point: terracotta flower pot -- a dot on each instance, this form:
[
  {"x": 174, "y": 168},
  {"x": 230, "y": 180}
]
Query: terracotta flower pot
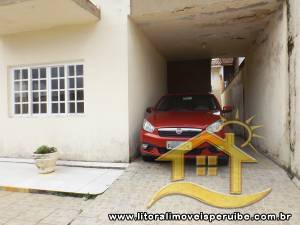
[{"x": 46, "y": 162}]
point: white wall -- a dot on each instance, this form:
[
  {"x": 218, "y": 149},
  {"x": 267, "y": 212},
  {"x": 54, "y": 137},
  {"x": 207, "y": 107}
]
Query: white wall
[
  {"x": 147, "y": 80},
  {"x": 102, "y": 133},
  {"x": 266, "y": 88}
]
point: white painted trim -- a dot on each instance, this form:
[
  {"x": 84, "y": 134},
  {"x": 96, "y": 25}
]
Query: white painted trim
[{"x": 72, "y": 163}]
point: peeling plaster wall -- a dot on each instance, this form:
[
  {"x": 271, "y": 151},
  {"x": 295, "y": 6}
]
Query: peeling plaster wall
[
  {"x": 193, "y": 29},
  {"x": 294, "y": 76},
  {"x": 147, "y": 80},
  {"x": 266, "y": 88}
]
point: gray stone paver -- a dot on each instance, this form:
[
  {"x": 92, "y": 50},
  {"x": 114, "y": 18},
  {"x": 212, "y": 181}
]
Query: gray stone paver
[
  {"x": 139, "y": 182},
  {"x": 61, "y": 216}
]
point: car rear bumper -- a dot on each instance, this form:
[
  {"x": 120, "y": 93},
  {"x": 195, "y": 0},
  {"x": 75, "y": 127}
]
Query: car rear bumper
[{"x": 156, "y": 146}]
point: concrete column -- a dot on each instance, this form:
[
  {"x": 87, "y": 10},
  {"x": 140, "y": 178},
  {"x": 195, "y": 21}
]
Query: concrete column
[{"x": 293, "y": 14}]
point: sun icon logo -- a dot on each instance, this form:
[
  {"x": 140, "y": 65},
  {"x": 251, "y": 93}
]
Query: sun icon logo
[{"x": 246, "y": 125}]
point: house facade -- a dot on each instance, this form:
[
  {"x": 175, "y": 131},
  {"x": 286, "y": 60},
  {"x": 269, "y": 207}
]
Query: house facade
[
  {"x": 71, "y": 78},
  {"x": 79, "y": 74}
]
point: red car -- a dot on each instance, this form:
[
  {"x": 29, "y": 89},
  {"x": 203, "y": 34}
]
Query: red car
[{"x": 178, "y": 117}]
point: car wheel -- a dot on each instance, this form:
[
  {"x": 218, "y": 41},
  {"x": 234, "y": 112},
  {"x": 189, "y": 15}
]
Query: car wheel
[{"x": 148, "y": 158}]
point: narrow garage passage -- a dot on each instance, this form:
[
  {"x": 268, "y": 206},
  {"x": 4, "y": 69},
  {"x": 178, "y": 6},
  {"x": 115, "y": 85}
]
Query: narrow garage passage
[{"x": 188, "y": 34}]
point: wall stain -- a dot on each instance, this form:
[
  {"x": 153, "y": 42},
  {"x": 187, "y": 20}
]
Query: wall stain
[
  {"x": 183, "y": 9},
  {"x": 191, "y": 17},
  {"x": 290, "y": 45},
  {"x": 238, "y": 38},
  {"x": 230, "y": 9},
  {"x": 292, "y": 79}
]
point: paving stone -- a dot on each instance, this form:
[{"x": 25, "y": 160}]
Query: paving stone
[
  {"x": 20, "y": 222},
  {"x": 86, "y": 221},
  {"x": 61, "y": 216},
  {"x": 135, "y": 187},
  {"x": 35, "y": 214}
]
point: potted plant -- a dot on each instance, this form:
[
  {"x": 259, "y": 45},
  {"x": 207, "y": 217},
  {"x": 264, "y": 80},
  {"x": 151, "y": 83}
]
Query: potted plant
[{"x": 45, "y": 159}]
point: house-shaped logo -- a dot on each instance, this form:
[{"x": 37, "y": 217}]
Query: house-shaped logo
[{"x": 210, "y": 197}]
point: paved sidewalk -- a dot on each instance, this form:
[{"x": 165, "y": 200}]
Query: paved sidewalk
[{"x": 132, "y": 191}]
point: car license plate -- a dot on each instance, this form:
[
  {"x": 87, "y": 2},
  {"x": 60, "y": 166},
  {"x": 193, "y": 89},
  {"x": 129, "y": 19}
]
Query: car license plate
[{"x": 173, "y": 144}]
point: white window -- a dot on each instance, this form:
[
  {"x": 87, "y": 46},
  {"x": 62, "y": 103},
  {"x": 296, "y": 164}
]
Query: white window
[
  {"x": 21, "y": 91},
  {"x": 57, "y": 89},
  {"x": 75, "y": 89},
  {"x": 39, "y": 90}
]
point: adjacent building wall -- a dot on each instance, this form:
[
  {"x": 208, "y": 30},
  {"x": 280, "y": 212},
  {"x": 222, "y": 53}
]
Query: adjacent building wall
[
  {"x": 189, "y": 76},
  {"x": 266, "y": 88},
  {"x": 233, "y": 95},
  {"x": 294, "y": 78},
  {"x": 217, "y": 81},
  {"x": 101, "y": 134},
  {"x": 147, "y": 80}
]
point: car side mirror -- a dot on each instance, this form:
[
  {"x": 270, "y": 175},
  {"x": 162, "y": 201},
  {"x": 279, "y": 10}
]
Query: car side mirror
[
  {"x": 149, "y": 109},
  {"x": 227, "y": 109}
]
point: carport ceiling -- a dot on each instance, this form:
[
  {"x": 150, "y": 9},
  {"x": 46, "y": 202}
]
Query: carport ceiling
[{"x": 190, "y": 29}]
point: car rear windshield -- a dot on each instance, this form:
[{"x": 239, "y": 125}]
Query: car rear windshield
[{"x": 187, "y": 103}]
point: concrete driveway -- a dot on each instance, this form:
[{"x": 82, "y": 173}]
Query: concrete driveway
[{"x": 139, "y": 182}]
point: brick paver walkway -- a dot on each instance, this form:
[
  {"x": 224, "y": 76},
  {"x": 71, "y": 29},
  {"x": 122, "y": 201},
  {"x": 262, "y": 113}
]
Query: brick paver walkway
[{"x": 139, "y": 182}]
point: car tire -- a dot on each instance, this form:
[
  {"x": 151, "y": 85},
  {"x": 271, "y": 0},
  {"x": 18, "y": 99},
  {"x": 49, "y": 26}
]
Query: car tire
[{"x": 148, "y": 158}]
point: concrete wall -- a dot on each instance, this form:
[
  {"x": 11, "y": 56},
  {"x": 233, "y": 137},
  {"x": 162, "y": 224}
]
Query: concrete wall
[
  {"x": 189, "y": 76},
  {"x": 217, "y": 81},
  {"x": 147, "y": 80},
  {"x": 193, "y": 29},
  {"x": 294, "y": 78},
  {"x": 234, "y": 95},
  {"x": 264, "y": 83},
  {"x": 102, "y": 133},
  {"x": 266, "y": 88}
]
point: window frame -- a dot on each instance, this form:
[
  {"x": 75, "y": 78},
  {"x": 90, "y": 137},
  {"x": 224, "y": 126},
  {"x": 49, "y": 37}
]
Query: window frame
[
  {"x": 58, "y": 89},
  {"x": 48, "y": 90},
  {"x": 75, "y": 88},
  {"x": 39, "y": 90},
  {"x": 14, "y": 103}
]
